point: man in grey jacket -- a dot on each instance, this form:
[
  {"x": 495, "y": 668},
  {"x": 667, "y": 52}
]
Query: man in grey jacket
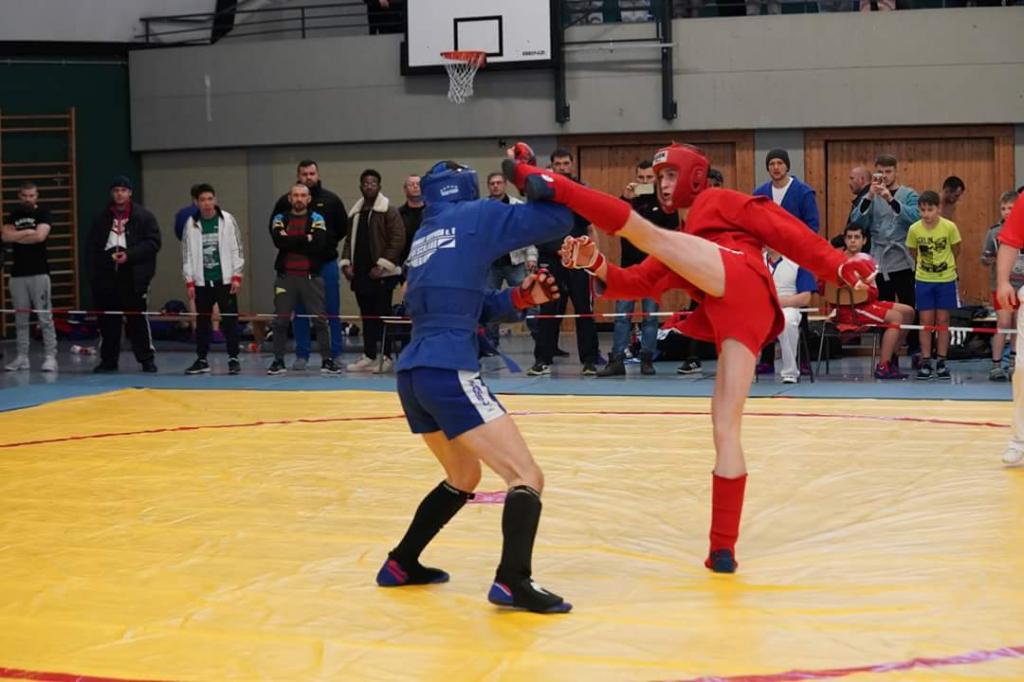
[
  {"x": 512, "y": 268},
  {"x": 886, "y": 212}
]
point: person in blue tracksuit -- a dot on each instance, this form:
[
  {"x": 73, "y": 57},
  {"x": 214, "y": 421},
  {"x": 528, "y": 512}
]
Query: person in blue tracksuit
[{"x": 439, "y": 382}]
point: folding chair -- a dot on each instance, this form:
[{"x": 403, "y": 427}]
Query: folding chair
[{"x": 839, "y": 298}]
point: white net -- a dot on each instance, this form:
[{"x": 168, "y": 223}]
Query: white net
[{"x": 461, "y": 71}]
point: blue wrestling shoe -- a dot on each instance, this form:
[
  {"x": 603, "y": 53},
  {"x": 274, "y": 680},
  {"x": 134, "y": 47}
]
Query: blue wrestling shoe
[
  {"x": 721, "y": 561},
  {"x": 393, "y": 574},
  {"x": 528, "y": 595}
]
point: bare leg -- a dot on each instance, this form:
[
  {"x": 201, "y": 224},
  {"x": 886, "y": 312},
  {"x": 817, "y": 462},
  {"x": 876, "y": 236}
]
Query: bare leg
[
  {"x": 927, "y": 319},
  {"x": 462, "y": 469},
  {"x": 942, "y": 320},
  {"x": 693, "y": 258},
  {"x": 1004, "y": 321},
  {"x": 735, "y": 373}
]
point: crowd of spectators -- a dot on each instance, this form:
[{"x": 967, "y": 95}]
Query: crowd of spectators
[{"x": 321, "y": 247}]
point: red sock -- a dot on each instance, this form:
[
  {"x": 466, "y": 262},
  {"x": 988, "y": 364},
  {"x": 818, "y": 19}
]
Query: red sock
[{"x": 726, "y": 510}]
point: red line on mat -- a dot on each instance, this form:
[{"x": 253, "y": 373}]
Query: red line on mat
[
  {"x": 522, "y": 413},
  {"x": 981, "y": 656},
  {"x": 16, "y": 674}
]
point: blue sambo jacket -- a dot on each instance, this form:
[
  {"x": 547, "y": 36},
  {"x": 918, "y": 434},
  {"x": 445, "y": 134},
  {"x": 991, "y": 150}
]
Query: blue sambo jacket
[{"x": 447, "y": 268}]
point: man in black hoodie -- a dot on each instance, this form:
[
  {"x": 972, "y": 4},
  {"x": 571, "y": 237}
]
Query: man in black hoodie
[
  {"x": 122, "y": 248},
  {"x": 332, "y": 208}
]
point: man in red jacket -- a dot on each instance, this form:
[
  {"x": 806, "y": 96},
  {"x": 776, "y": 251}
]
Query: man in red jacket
[
  {"x": 718, "y": 259},
  {"x": 1011, "y": 240}
]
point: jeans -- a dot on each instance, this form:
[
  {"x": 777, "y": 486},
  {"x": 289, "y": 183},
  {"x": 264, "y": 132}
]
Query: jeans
[
  {"x": 513, "y": 275},
  {"x": 332, "y": 306},
  {"x": 623, "y": 326}
]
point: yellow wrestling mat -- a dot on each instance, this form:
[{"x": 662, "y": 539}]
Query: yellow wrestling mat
[{"x": 230, "y": 535}]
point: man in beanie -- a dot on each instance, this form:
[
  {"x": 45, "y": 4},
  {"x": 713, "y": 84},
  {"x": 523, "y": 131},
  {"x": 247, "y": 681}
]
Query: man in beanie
[
  {"x": 788, "y": 192},
  {"x": 121, "y": 253}
]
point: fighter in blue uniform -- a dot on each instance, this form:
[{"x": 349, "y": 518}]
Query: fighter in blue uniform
[{"x": 439, "y": 382}]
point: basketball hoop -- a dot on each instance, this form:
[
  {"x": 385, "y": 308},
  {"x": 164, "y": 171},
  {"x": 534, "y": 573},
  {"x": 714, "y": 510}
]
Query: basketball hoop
[{"x": 462, "y": 66}]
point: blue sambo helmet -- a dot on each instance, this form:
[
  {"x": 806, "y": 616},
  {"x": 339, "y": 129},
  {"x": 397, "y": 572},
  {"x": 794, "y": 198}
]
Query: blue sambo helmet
[{"x": 451, "y": 182}]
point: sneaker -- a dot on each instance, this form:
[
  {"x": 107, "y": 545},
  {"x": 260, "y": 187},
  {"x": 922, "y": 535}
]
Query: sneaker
[
  {"x": 363, "y": 364},
  {"x": 888, "y": 370},
  {"x": 394, "y": 574},
  {"x": 299, "y": 365},
  {"x": 328, "y": 367},
  {"x": 526, "y": 594},
  {"x": 1013, "y": 456},
  {"x": 277, "y": 367},
  {"x": 19, "y": 363},
  {"x": 790, "y": 380},
  {"x": 149, "y": 367},
  {"x": 200, "y": 366},
  {"x": 559, "y": 353},
  {"x": 49, "y": 364},
  {"x": 383, "y": 367},
  {"x": 997, "y": 373},
  {"x": 941, "y": 372},
  {"x": 766, "y": 368},
  {"x": 691, "y": 366},
  {"x": 104, "y": 368},
  {"x": 234, "y": 366},
  {"x": 647, "y": 365},
  {"x": 614, "y": 368},
  {"x": 538, "y": 370},
  {"x": 721, "y": 561},
  {"x": 924, "y": 373},
  {"x": 589, "y": 370}
]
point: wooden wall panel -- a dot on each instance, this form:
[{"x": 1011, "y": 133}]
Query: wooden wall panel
[
  {"x": 981, "y": 155},
  {"x": 607, "y": 163}
]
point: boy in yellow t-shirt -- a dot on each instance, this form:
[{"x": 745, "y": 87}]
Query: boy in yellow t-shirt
[{"x": 935, "y": 244}]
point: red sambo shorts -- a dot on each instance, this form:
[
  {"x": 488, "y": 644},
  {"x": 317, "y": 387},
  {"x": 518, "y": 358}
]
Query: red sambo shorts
[
  {"x": 747, "y": 311},
  {"x": 865, "y": 313}
]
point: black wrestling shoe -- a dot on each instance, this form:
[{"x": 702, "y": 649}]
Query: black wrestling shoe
[
  {"x": 721, "y": 561},
  {"x": 394, "y": 574},
  {"x": 526, "y": 594}
]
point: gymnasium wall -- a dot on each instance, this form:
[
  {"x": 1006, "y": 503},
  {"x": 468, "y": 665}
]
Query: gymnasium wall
[{"x": 820, "y": 70}]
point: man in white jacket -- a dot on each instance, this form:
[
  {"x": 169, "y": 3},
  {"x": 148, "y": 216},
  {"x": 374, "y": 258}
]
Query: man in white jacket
[{"x": 212, "y": 262}]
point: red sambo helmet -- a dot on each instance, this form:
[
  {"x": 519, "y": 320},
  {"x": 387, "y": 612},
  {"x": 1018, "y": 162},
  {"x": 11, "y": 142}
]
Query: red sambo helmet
[{"x": 692, "y": 167}]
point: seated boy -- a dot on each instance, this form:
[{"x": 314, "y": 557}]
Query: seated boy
[{"x": 874, "y": 311}]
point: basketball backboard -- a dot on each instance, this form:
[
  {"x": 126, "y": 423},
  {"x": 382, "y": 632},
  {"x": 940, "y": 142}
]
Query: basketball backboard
[{"x": 513, "y": 33}]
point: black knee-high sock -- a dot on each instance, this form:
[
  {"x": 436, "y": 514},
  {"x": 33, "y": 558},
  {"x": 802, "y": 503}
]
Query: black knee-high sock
[
  {"x": 519, "y": 522},
  {"x": 436, "y": 509}
]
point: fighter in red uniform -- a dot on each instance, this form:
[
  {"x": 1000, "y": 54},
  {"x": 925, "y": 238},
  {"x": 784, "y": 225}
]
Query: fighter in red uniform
[{"x": 717, "y": 258}]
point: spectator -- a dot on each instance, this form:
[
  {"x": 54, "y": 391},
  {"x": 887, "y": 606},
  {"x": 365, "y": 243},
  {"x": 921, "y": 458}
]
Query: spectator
[
  {"x": 795, "y": 286},
  {"x": 212, "y": 262},
  {"x": 640, "y": 193},
  {"x": 886, "y": 212},
  {"x": 1010, "y": 244},
  {"x": 953, "y": 189},
  {"x": 186, "y": 212},
  {"x": 715, "y": 178},
  {"x": 369, "y": 261},
  {"x": 873, "y": 311},
  {"x": 122, "y": 248},
  {"x": 26, "y": 231},
  {"x": 935, "y": 244},
  {"x": 512, "y": 268},
  {"x": 877, "y": 5},
  {"x": 1005, "y": 316},
  {"x": 796, "y": 197},
  {"x": 300, "y": 236},
  {"x": 385, "y": 16},
  {"x": 858, "y": 181},
  {"x": 412, "y": 215},
  {"x": 754, "y": 7},
  {"x": 574, "y": 285},
  {"x": 332, "y": 209}
]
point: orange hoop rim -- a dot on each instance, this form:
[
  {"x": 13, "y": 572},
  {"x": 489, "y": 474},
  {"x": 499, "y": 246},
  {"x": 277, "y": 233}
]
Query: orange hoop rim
[{"x": 475, "y": 57}]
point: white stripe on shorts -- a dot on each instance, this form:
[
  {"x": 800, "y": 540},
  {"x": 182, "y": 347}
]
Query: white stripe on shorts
[{"x": 479, "y": 396}]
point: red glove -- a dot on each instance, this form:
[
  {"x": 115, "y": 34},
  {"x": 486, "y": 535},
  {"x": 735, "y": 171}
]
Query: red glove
[
  {"x": 580, "y": 253},
  {"x": 536, "y": 289},
  {"x": 522, "y": 153},
  {"x": 859, "y": 269}
]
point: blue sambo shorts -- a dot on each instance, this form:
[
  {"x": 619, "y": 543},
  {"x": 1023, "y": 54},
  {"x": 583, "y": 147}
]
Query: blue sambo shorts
[{"x": 449, "y": 400}]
